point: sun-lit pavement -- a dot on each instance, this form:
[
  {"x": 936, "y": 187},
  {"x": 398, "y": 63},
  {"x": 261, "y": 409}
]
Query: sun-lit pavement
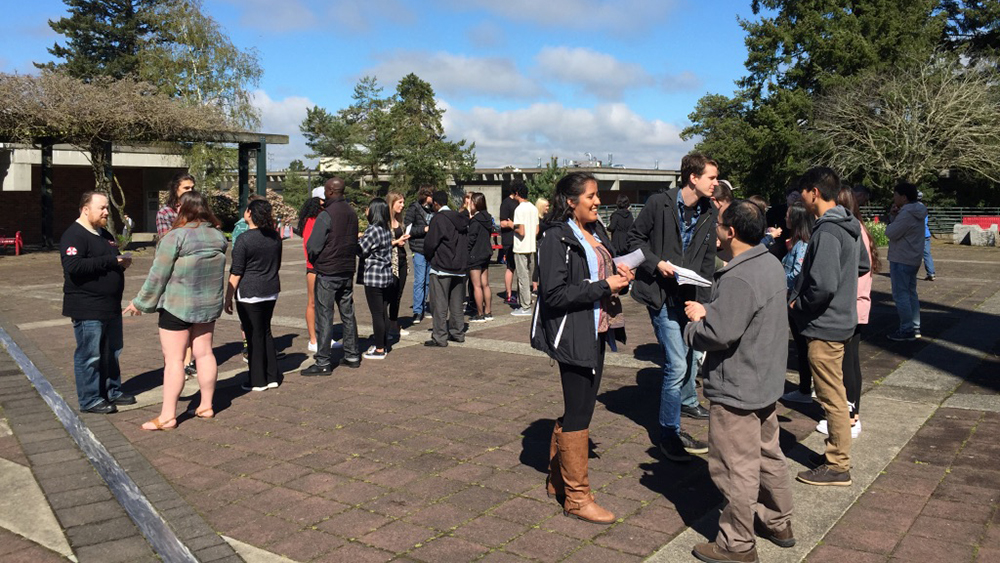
[{"x": 439, "y": 454}]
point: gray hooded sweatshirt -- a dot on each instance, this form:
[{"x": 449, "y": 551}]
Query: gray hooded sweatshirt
[{"x": 826, "y": 293}]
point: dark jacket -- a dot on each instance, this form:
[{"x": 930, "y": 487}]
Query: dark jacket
[
  {"x": 480, "y": 245},
  {"x": 826, "y": 292},
  {"x": 447, "y": 243},
  {"x": 621, "y": 222},
  {"x": 333, "y": 245},
  {"x": 563, "y": 322},
  {"x": 416, "y": 215},
  {"x": 745, "y": 332},
  {"x": 657, "y": 232},
  {"x": 93, "y": 282}
]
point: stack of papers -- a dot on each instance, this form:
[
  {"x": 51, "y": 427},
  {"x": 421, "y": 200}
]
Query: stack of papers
[{"x": 685, "y": 276}]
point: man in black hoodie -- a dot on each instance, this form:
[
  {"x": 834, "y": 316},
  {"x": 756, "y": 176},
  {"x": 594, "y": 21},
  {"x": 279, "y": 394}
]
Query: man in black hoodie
[
  {"x": 417, "y": 222},
  {"x": 824, "y": 309},
  {"x": 446, "y": 247}
]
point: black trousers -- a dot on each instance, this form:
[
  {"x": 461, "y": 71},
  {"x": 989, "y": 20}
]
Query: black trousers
[
  {"x": 378, "y": 304},
  {"x": 579, "y": 387},
  {"x": 852, "y": 370},
  {"x": 394, "y": 294},
  {"x": 802, "y": 359},
  {"x": 256, "y": 321}
]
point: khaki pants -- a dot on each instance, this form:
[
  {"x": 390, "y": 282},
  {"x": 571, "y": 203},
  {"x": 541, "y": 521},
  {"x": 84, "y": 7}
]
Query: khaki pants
[
  {"x": 826, "y": 360},
  {"x": 750, "y": 471},
  {"x": 524, "y": 265}
]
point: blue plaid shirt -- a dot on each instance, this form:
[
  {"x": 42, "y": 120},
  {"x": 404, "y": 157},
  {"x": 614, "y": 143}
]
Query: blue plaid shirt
[{"x": 687, "y": 229}]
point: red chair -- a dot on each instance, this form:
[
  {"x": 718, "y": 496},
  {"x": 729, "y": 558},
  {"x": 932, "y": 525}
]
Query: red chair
[{"x": 14, "y": 241}]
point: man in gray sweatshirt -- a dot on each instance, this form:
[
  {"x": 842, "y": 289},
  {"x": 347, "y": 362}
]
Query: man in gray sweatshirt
[
  {"x": 744, "y": 330},
  {"x": 824, "y": 309},
  {"x": 906, "y": 250}
]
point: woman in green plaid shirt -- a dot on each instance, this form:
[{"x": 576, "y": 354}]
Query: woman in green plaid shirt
[{"x": 185, "y": 285}]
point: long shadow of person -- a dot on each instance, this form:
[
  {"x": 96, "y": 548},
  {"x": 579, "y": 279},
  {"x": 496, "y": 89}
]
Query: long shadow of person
[{"x": 535, "y": 440}]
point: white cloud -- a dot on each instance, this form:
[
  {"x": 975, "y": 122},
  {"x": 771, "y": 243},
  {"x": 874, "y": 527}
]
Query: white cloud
[
  {"x": 283, "y": 117},
  {"x": 345, "y": 16},
  {"x": 620, "y": 16},
  {"x": 458, "y": 76},
  {"x": 266, "y": 15},
  {"x": 684, "y": 81},
  {"x": 599, "y": 74},
  {"x": 486, "y": 35},
  {"x": 522, "y": 136}
]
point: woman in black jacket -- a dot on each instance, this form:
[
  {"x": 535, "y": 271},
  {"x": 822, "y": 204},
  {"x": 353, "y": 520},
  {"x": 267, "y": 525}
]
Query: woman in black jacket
[
  {"x": 480, "y": 250},
  {"x": 621, "y": 222},
  {"x": 576, "y": 315}
]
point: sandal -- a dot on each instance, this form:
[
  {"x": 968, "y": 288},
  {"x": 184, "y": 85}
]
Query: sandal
[
  {"x": 201, "y": 413},
  {"x": 157, "y": 425}
]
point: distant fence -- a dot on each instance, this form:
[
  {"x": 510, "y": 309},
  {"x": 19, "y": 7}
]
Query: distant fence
[{"x": 942, "y": 219}]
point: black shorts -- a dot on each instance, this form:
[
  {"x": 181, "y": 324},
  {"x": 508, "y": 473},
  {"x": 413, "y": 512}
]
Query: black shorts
[
  {"x": 170, "y": 322},
  {"x": 508, "y": 257},
  {"x": 310, "y": 271}
]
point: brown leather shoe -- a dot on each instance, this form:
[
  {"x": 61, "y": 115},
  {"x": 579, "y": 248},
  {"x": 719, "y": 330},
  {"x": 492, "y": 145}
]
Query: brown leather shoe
[
  {"x": 574, "y": 448},
  {"x": 553, "y": 483},
  {"x": 711, "y": 553},
  {"x": 783, "y": 538}
]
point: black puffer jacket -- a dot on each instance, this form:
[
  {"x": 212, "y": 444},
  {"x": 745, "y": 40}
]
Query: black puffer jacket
[
  {"x": 621, "y": 222},
  {"x": 480, "y": 246},
  {"x": 563, "y": 322},
  {"x": 446, "y": 245}
]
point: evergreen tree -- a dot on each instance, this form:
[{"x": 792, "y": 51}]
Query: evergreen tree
[{"x": 544, "y": 184}]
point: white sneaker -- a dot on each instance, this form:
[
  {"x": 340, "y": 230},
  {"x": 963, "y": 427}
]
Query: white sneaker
[
  {"x": 404, "y": 332},
  {"x": 855, "y": 428},
  {"x": 313, "y": 347},
  {"x": 796, "y": 396},
  {"x": 272, "y": 385},
  {"x": 247, "y": 387}
]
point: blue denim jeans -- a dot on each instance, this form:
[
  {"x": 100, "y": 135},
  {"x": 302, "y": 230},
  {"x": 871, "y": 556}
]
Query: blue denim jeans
[
  {"x": 928, "y": 259},
  {"x": 421, "y": 272},
  {"x": 679, "y": 367},
  {"x": 904, "y": 293},
  {"x": 95, "y": 362}
]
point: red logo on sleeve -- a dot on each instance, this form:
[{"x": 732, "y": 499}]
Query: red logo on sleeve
[{"x": 71, "y": 251}]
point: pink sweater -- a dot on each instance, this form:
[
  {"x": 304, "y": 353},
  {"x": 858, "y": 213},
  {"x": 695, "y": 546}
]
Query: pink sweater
[{"x": 865, "y": 284}]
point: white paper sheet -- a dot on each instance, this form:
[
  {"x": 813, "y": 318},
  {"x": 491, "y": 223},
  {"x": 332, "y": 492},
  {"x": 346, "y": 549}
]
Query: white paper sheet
[
  {"x": 408, "y": 227},
  {"x": 632, "y": 260},
  {"x": 685, "y": 276}
]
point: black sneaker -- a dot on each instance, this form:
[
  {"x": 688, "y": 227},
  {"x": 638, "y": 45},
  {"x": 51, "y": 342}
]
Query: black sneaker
[
  {"x": 697, "y": 412},
  {"x": 478, "y": 319},
  {"x": 825, "y": 476},
  {"x": 417, "y": 319},
  {"x": 900, "y": 336},
  {"x": 692, "y": 446},
  {"x": 124, "y": 399},
  {"x": 930, "y": 277},
  {"x": 317, "y": 369},
  {"x": 350, "y": 363},
  {"x": 488, "y": 317},
  {"x": 102, "y": 407},
  {"x": 673, "y": 449},
  {"x": 433, "y": 343},
  {"x": 190, "y": 370}
]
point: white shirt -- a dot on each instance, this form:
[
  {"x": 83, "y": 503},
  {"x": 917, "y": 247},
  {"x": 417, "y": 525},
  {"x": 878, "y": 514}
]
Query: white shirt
[{"x": 526, "y": 214}]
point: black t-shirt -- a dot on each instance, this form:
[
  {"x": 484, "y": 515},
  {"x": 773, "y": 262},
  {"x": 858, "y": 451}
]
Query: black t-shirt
[
  {"x": 507, "y": 207},
  {"x": 257, "y": 259},
  {"x": 93, "y": 281}
]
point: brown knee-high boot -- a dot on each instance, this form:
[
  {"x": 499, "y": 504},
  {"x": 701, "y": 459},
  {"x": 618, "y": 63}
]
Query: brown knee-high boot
[
  {"x": 574, "y": 449},
  {"x": 554, "y": 482}
]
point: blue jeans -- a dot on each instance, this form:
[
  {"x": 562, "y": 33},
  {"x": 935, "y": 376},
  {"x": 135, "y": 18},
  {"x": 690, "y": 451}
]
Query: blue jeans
[
  {"x": 95, "y": 362},
  {"x": 928, "y": 260},
  {"x": 421, "y": 271},
  {"x": 679, "y": 367},
  {"x": 904, "y": 293}
]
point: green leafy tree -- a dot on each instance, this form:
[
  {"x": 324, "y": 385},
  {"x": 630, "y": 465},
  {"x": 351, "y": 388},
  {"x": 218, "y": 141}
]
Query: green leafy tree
[
  {"x": 295, "y": 189},
  {"x": 543, "y": 184},
  {"x": 103, "y": 38}
]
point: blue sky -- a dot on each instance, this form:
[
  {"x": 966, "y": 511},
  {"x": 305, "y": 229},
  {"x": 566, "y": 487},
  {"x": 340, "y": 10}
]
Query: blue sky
[{"x": 524, "y": 79}]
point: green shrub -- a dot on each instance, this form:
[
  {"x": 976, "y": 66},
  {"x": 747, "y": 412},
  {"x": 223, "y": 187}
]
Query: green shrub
[{"x": 877, "y": 232}]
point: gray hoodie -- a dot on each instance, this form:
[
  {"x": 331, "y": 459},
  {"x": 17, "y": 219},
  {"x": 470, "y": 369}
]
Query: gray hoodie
[
  {"x": 906, "y": 235},
  {"x": 826, "y": 293},
  {"x": 745, "y": 332}
]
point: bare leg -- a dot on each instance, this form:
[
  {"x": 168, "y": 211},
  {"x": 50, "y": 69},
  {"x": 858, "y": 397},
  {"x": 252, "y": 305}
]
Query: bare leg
[
  {"x": 174, "y": 344},
  {"x": 508, "y": 281},
  {"x": 208, "y": 369},
  {"x": 477, "y": 290},
  {"x": 311, "y": 306}
]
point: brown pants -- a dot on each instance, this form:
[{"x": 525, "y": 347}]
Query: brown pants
[
  {"x": 749, "y": 469},
  {"x": 826, "y": 360}
]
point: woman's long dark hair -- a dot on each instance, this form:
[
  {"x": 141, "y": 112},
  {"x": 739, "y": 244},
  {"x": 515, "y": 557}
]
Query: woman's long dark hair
[
  {"x": 310, "y": 209},
  {"x": 800, "y": 222},
  {"x": 172, "y": 198},
  {"x": 845, "y": 197},
  {"x": 569, "y": 187},
  {"x": 261, "y": 213},
  {"x": 195, "y": 209},
  {"x": 378, "y": 213}
]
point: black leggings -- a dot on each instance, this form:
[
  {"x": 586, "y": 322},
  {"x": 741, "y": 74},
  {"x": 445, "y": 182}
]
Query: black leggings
[
  {"x": 580, "y": 386},
  {"x": 393, "y": 295},
  {"x": 852, "y": 370},
  {"x": 378, "y": 302},
  {"x": 262, "y": 356},
  {"x": 802, "y": 360}
]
